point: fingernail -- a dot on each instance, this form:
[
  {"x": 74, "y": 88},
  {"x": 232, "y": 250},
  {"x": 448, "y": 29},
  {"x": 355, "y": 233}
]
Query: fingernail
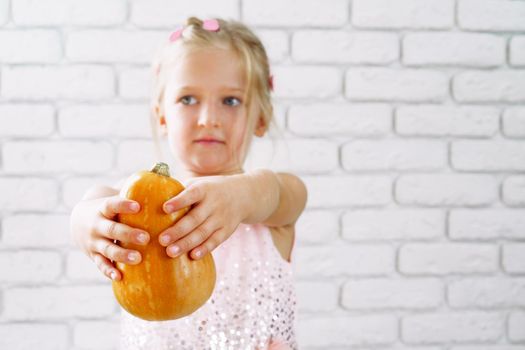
[
  {"x": 174, "y": 250},
  {"x": 133, "y": 257},
  {"x": 165, "y": 239},
  {"x": 198, "y": 254},
  {"x": 113, "y": 275},
  {"x": 142, "y": 238},
  {"x": 168, "y": 208},
  {"x": 134, "y": 206}
]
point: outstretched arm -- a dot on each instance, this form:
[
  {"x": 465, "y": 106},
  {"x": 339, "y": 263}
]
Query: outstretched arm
[{"x": 221, "y": 203}]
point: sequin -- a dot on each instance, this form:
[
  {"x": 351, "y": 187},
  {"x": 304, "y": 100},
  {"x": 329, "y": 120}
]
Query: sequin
[{"x": 253, "y": 303}]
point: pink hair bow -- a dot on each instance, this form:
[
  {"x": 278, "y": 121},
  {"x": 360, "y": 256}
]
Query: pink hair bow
[{"x": 211, "y": 25}]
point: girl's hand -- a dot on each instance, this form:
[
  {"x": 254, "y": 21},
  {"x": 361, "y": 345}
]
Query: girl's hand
[
  {"x": 218, "y": 206},
  {"x": 94, "y": 231}
]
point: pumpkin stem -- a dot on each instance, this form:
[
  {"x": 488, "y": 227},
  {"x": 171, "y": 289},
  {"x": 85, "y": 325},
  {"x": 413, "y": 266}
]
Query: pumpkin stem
[{"x": 161, "y": 169}]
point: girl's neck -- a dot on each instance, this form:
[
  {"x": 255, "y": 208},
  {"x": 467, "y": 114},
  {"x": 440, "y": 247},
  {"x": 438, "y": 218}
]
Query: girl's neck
[{"x": 189, "y": 174}]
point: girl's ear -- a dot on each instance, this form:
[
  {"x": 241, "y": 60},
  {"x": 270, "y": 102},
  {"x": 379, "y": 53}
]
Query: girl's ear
[{"x": 261, "y": 127}]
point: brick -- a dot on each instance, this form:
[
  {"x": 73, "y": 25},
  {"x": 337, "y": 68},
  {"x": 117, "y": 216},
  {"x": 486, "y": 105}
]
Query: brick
[
  {"x": 446, "y": 189},
  {"x": 305, "y": 156},
  {"x": 276, "y": 44},
  {"x": 487, "y": 224},
  {"x": 80, "y": 268},
  {"x": 456, "y": 49},
  {"x": 492, "y": 86},
  {"x": 483, "y": 155},
  {"x": 74, "y": 188},
  {"x": 101, "y": 121},
  {"x": 65, "y": 12},
  {"x": 351, "y": 191},
  {"x": 347, "y": 330},
  {"x": 426, "y": 14},
  {"x": 388, "y": 225},
  {"x": 447, "y": 258},
  {"x": 30, "y": 46},
  {"x": 135, "y": 83},
  {"x": 487, "y": 293},
  {"x": 107, "y": 333},
  {"x": 340, "y": 119},
  {"x": 489, "y": 347},
  {"x": 517, "y": 51},
  {"x": 94, "y": 46},
  {"x": 169, "y": 14},
  {"x": 331, "y": 46},
  {"x": 404, "y": 347},
  {"x": 306, "y": 81},
  {"x": 29, "y": 266},
  {"x": 512, "y": 259},
  {"x": 362, "y": 155},
  {"x": 57, "y": 156},
  {"x": 27, "y": 120},
  {"x": 295, "y": 13},
  {"x": 36, "y": 231},
  {"x": 43, "y": 336},
  {"x": 514, "y": 122},
  {"x": 452, "y": 327},
  {"x": 344, "y": 260},
  {"x": 430, "y": 120},
  {"x": 4, "y": 11},
  {"x": 375, "y": 294},
  {"x": 57, "y": 82},
  {"x": 317, "y": 296},
  {"x": 387, "y": 84},
  {"x": 317, "y": 226},
  {"x": 516, "y": 322},
  {"x": 491, "y": 15},
  {"x": 513, "y": 190},
  {"x": 55, "y": 303},
  {"x": 28, "y": 193},
  {"x": 131, "y": 156}
]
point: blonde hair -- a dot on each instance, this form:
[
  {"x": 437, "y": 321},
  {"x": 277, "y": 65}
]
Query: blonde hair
[{"x": 232, "y": 35}]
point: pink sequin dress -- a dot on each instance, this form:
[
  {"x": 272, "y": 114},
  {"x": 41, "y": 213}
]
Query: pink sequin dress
[{"x": 252, "y": 306}]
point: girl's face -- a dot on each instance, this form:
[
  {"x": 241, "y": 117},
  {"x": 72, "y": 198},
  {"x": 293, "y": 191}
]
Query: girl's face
[{"x": 206, "y": 116}]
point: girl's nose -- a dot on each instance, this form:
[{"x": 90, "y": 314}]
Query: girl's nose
[{"x": 208, "y": 115}]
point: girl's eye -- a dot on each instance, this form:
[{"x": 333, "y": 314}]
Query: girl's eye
[
  {"x": 232, "y": 101},
  {"x": 188, "y": 100}
]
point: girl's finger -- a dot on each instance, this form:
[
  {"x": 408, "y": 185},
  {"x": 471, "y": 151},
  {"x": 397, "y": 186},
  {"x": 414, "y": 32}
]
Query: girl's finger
[
  {"x": 115, "y": 205},
  {"x": 193, "y": 239},
  {"x": 121, "y": 232},
  {"x": 189, "y": 222},
  {"x": 209, "y": 245},
  {"x": 190, "y": 195},
  {"x": 106, "y": 267},
  {"x": 112, "y": 251}
]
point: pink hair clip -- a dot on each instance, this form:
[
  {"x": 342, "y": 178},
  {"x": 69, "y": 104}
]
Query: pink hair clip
[
  {"x": 176, "y": 34},
  {"x": 211, "y": 25}
]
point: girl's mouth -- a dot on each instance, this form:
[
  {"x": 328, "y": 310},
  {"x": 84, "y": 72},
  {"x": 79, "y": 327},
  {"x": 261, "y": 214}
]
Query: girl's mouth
[{"x": 208, "y": 142}]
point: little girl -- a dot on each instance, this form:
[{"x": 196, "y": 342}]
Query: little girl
[{"x": 212, "y": 91}]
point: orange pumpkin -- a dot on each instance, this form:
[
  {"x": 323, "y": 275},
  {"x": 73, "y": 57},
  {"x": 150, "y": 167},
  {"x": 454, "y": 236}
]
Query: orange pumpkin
[{"x": 159, "y": 287}]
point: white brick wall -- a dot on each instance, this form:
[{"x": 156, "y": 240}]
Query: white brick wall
[{"x": 406, "y": 120}]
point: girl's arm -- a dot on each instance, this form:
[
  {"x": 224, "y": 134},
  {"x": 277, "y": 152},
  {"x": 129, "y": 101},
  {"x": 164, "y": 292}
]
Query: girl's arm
[
  {"x": 277, "y": 199},
  {"x": 220, "y": 203}
]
